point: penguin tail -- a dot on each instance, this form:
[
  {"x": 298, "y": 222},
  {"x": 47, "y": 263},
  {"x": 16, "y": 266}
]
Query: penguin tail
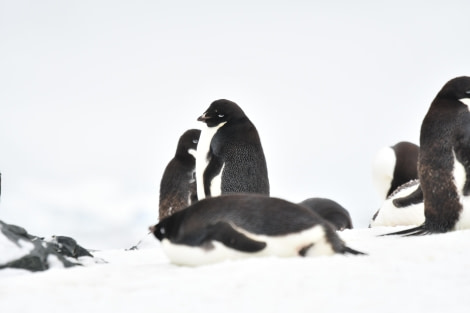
[
  {"x": 347, "y": 250},
  {"x": 415, "y": 231}
]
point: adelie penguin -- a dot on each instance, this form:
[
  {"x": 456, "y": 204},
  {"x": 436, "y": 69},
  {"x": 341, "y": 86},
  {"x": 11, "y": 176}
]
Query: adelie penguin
[
  {"x": 394, "y": 166},
  {"x": 444, "y": 161},
  {"x": 401, "y": 208},
  {"x": 230, "y": 158},
  {"x": 245, "y": 225},
  {"x": 330, "y": 211},
  {"x": 178, "y": 183},
  {"x": 395, "y": 174}
]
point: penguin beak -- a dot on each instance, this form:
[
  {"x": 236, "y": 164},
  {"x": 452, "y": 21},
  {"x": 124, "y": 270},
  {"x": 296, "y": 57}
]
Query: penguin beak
[{"x": 202, "y": 118}]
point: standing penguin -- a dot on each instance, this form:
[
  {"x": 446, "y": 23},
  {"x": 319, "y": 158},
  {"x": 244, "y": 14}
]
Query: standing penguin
[
  {"x": 444, "y": 160},
  {"x": 394, "y": 166},
  {"x": 178, "y": 185},
  {"x": 244, "y": 225},
  {"x": 230, "y": 158}
]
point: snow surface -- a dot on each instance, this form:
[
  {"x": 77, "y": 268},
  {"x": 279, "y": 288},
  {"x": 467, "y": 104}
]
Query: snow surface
[{"x": 412, "y": 274}]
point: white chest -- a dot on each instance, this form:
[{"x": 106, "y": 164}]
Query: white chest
[{"x": 202, "y": 156}]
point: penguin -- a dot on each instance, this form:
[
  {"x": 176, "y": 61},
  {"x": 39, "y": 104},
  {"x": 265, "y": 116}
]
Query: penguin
[
  {"x": 230, "y": 157},
  {"x": 394, "y": 166},
  {"x": 245, "y": 225},
  {"x": 444, "y": 161},
  {"x": 330, "y": 211},
  {"x": 407, "y": 213},
  {"x": 178, "y": 184}
]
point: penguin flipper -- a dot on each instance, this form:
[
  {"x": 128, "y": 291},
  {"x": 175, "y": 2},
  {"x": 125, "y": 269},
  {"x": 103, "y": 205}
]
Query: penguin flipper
[
  {"x": 230, "y": 237},
  {"x": 413, "y": 198},
  {"x": 212, "y": 170}
]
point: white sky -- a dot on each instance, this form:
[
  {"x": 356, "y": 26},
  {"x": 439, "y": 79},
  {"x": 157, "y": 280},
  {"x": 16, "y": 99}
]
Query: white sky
[{"x": 95, "y": 94}]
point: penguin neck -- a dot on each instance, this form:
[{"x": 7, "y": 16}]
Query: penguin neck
[
  {"x": 465, "y": 101},
  {"x": 185, "y": 155}
]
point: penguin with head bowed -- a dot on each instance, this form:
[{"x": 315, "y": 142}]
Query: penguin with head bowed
[
  {"x": 178, "y": 184},
  {"x": 394, "y": 166},
  {"x": 245, "y": 225},
  {"x": 444, "y": 160},
  {"x": 330, "y": 211},
  {"x": 395, "y": 175},
  {"x": 401, "y": 208},
  {"x": 230, "y": 158}
]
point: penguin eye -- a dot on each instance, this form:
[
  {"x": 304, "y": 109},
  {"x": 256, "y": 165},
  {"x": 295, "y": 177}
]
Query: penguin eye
[
  {"x": 467, "y": 92},
  {"x": 162, "y": 231},
  {"x": 195, "y": 140},
  {"x": 220, "y": 115}
]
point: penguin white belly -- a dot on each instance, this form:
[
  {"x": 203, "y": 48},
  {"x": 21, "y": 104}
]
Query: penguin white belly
[
  {"x": 216, "y": 183},
  {"x": 382, "y": 170},
  {"x": 203, "y": 148},
  {"x": 282, "y": 246},
  {"x": 390, "y": 215},
  {"x": 459, "y": 180}
]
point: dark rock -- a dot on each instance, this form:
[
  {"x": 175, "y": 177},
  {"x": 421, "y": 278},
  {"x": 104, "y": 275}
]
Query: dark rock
[
  {"x": 69, "y": 247},
  {"x": 65, "y": 249}
]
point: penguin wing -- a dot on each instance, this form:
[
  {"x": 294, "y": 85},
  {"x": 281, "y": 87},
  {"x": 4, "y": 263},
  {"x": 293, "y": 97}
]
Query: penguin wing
[
  {"x": 232, "y": 238},
  {"x": 413, "y": 198},
  {"x": 212, "y": 170}
]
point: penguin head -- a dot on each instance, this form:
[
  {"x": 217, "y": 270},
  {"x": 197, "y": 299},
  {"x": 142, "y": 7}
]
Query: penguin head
[
  {"x": 160, "y": 230},
  {"x": 221, "y": 111},
  {"x": 457, "y": 89},
  {"x": 188, "y": 141}
]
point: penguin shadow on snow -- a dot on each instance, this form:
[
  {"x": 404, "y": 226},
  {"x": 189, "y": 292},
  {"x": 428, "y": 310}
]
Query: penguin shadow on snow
[{"x": 444, "y": 162}]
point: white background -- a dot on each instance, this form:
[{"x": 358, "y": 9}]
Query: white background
[{"x": 95, "y": 94}]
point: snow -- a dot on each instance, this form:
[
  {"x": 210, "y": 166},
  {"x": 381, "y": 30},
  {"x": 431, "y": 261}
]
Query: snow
[{"x": 422, "y": 274}]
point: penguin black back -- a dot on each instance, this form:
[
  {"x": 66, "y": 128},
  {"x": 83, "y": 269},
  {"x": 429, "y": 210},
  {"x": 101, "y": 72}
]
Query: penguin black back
[
  {"x": 178, "y": 185},
  {"x": 445, "y": 140},
  {"x": 406, "y": 167},
  {"x": 235, "y": 153},
  {"x": 255, "y": 213}
]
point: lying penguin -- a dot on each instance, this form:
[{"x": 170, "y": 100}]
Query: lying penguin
[
  {"x": 404, "y": 207},
  {"x": 330, "y": 211},
  {"x": 243, "y": 225}
]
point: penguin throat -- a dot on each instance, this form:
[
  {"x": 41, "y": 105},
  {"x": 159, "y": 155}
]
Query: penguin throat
[{"x": 465, "y": 101}]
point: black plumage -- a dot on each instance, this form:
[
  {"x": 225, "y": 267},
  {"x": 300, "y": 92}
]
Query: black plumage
[
  {"x": 235, "y": 153},
  {"x": 230, "y": 218},
  {"x": 331, "y": 211},
  {"x": 178, "y": 184},
  {"x": 444, "y": 147}
]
